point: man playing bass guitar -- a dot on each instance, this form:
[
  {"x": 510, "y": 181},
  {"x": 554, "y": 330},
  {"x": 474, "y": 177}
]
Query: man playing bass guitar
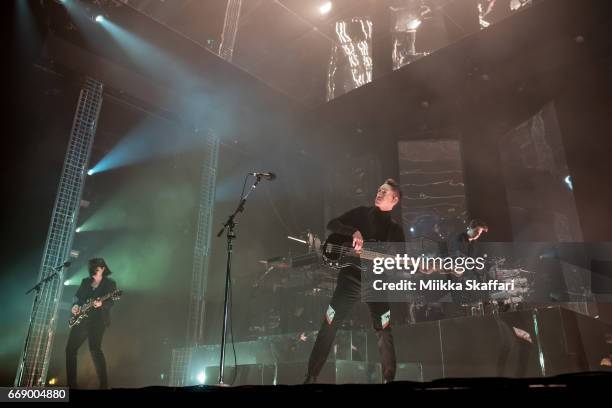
[{"x": 370, "y": 224}]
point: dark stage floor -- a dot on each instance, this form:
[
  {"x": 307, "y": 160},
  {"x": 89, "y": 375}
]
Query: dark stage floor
[{"x": 512, "y": 391}]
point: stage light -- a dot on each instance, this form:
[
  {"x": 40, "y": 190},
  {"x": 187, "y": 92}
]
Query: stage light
[
  {"x": 201, "y": 377},
  {"x": 90, "y": 172},
  {"x": 412, "y": 230},
  {"x": 414, "y": 24},
  {"x": 78, "y": 230},
  {"x": 53, "y": 381},
  {"x": 67, "y": 282},
  {"x": 325, "y": 7},
  {"x": 99, "y": 18},
  {"x": 568, "y": 181}
]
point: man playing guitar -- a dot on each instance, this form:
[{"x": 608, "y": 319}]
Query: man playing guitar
[{"x": 97, "y": 285}]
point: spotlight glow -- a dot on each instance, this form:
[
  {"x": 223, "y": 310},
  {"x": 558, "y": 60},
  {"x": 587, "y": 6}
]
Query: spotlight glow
[
  {"x": 79, "y": 229},
  {"x": 99, "y": 18},
  {"x": 67, "y": 282},
  {"x": 90, "y": 172},
  {"x": 568, "y": 181},
  {"x": 201, "y": 377},
  {"x": 412, "y": 230},
  {"x": 325, "y": 7},
  {"x": 414, "y": 24}
]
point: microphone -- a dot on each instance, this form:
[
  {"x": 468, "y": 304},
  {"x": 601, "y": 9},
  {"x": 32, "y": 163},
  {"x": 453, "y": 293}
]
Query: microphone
[{"x": 267, "y": 175}]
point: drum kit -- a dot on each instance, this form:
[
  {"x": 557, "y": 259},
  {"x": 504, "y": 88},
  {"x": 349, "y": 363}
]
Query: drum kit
[
  {"x": 305, "y": 272},
  {"x": 292, "y": 289}
]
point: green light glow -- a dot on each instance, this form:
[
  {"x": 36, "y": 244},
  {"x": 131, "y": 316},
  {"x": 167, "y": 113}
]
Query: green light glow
[{"x": 145, "y": 232}]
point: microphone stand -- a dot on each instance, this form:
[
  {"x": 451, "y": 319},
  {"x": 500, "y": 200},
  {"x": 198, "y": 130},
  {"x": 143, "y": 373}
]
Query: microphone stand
[
  {"x": 36, "y": 288},
  {"x": 230, "y": 225}
]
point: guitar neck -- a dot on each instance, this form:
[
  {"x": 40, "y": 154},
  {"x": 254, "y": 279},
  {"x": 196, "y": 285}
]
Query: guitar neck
[
  {"x": 101, "y": 299},
  {"x": 371, "y": 255},
  {"x": 364, "y": 254},
  {"x": 105, "y": 297}
]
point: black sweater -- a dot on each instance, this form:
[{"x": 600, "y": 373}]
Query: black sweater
[{"x": 374, "y": 225}]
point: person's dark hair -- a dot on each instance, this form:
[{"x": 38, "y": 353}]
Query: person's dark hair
[
  {"x": 395, "y": 187},
  {"x": 478, "y": 223},
  {"x": 96, "y": 262}
]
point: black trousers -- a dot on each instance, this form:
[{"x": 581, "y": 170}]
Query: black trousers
[
  {"x": 92, "y": 330},
  {"x": 347, "y": 293}
]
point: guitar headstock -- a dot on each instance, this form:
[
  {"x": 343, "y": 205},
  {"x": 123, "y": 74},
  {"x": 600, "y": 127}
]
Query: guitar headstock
[{"x": 116, "y": 295}]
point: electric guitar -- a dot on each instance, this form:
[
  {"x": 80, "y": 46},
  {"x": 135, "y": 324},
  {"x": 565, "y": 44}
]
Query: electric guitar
[{"x": 85, "y": 308}]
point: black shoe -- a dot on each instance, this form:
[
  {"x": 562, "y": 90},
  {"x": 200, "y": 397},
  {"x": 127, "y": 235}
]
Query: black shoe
[{"x": 310, "y": 379}]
